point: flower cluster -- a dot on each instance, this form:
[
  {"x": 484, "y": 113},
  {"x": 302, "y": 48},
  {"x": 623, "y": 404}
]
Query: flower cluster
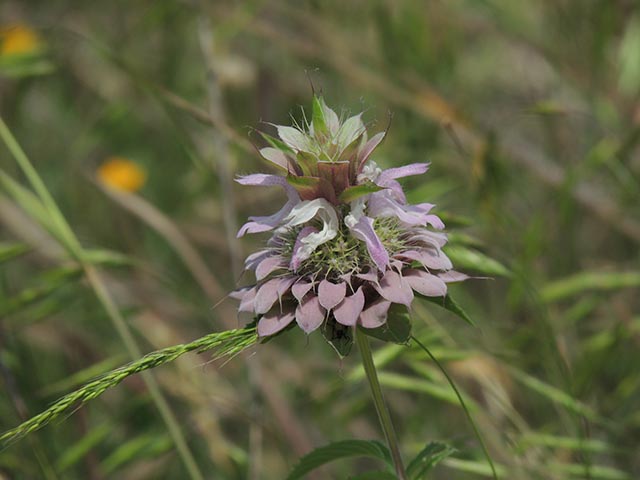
[{"x": 346, "y": 245}]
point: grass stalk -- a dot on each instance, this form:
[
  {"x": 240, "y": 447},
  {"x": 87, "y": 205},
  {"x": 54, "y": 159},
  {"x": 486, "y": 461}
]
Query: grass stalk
[{"x": 104, "y": 297}]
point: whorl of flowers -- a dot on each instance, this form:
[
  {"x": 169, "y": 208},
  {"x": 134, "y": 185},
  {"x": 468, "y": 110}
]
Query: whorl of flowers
[{"x": 346, "y": 245}]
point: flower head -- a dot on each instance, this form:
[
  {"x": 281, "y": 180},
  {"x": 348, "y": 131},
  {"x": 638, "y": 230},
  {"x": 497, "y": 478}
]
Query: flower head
[
  {"x": 122, "y": 174},
  {"x": 346, "y": 246},
  {"x": 19, "y": 40}
]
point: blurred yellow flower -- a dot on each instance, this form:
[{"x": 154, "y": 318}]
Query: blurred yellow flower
[
  {"x": 19, "y": 40},
  {"x": 122, "y": 174}
]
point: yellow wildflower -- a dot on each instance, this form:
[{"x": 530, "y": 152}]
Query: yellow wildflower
[
  {"x": 122, "y": 174},
  {"x": 19, "y": 40}
]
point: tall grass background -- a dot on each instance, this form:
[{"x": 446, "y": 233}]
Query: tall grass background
[{"x": 530, "y": 116}]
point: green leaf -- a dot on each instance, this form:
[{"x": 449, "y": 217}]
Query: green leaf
[
  {"x": 585, "y": 281},
  {"x": 428, "y": 458},
  {"x": 9, "y": 251},
  {"x": 338, "y": 336},
  {"x": 336, "y": 450},
  {"x": 448, "y": 303},
  {"x": 465, "y": 258},
  {"x": 397, "y": 329},
  {"x": 375, "y": 475},
  {"x": 352, "y": 193},
  {"x": 48, "y": 284}
]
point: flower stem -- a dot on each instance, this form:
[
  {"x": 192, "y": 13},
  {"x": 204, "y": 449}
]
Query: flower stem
[{"x": 378, "y": 400}]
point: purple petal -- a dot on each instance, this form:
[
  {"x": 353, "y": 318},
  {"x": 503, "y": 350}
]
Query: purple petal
[
  {"x": 269, "y": 222},
  {"x": 310, "y": 314},
  {"x": 434, "y": 239},
  {"x": 348, "y": 311},
  {"x": 425, "y": 283},
  {"x": 405, "y": 171},
  {"x": 331, "y": 294},
  {"x": 435, "y": 222},
  {"x": 395, "y": 288},
  {"x": 275, "y": 321},
  {"x": 452, "y": 276},
  {"x": 300, "y": 289},
  {"x": 269, "y": 265},
  {"x": 375, "y": 315},
  {"x": 262, "y": 180},
  {"x": 363, "y": 230},
  {"x": 296, "y": 257},
  {"x": 247, "y": 302}
]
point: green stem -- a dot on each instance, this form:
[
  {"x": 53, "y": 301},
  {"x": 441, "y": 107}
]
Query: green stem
[{"x": 381, "y": 407}]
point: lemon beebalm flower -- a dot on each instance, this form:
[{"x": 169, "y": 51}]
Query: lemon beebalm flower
[
  {"x": 346, "y": 245},
  {"x": 19, "y": 40},
  {"x": 122, "y": 174}
]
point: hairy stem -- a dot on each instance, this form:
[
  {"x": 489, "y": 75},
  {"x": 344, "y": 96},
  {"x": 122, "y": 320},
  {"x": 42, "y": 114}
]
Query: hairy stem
[{"x": 378, "y": 400}]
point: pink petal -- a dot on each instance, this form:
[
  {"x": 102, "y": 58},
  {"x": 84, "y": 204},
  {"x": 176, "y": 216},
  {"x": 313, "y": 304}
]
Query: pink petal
[
  {"x": 434, "y": 239},
  {"x": 266, "y": 296},
  {"x": 452, "y": 276},
  {"x": 370, "y": 276},
  {"x": 247, "y": 302},
  {"x": 275, "y": 321},
  {"x": 430, "y": 258},
  {"x": 270, "y": 291},
  {"x": 348, "y": 311},
  {"x": 300, "y": 289},
  {"x": 368, "y": 148},
  {"x": 255, "y": 258},
  {"x": 269, "y": 265},
  {"x": 239, "y": 294},
  {"x": 405, "y": 171},
  {"x": 395, "y": 288},
  {"x": 296, "y": 258},
  {"x": 331, "y": 294},
  {"x": 363, "y": 230},
  {"x": 425, "y": 283},
  {"x": 375, "y": 315},
  {"x": 310, "y": 314}
]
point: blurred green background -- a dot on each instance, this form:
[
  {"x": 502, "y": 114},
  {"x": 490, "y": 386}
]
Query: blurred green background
[{"x": 529, "y": 113}]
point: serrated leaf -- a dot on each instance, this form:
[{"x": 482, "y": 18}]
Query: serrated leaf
[
  {"x": 467, "y": 259},
  {"x": 398, "y": 326},
  {"x": 352, "y": 193},
  {"x": 337, "y": 450},
  {"x": 338, "y": 336},
  {"x": 448, "y": 303},
  {"x": 428, "y": 458}
]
